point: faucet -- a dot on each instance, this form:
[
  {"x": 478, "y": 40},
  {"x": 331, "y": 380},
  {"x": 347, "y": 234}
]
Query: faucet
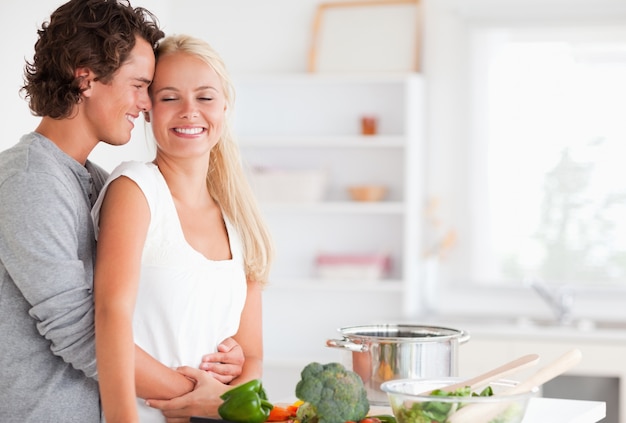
[{"x": 560, "y": 299}]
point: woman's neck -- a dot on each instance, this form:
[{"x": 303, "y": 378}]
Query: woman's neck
[{"x": 186, "y": 181}]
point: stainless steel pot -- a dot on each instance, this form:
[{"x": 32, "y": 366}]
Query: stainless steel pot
[{"x": 379, "y": 353}]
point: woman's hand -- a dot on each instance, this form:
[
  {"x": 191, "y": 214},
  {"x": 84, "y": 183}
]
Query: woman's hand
[
  {"x": 203, "y": 401},
  {"x": 227, "y": 363}
]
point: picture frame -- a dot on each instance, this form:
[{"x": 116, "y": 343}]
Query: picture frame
[{"x": 366, "y": 36}]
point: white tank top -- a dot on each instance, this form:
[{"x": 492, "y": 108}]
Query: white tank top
[{"x": 186, "y": 303}]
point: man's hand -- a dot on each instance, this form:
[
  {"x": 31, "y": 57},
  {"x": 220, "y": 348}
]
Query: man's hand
[
  {"x": 203, "y": 401},
  {"x": 226, "y": 364}
]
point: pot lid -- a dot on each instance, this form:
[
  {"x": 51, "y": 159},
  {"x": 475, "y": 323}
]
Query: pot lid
[{"x": 402, "y": 332}]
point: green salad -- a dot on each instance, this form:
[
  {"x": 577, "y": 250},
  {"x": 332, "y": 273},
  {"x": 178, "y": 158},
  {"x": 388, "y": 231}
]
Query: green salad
[{"x": 438, "y": 412}]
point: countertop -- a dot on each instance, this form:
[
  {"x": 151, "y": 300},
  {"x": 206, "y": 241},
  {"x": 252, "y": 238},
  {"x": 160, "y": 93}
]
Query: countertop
[
  {"x": 540, "y": 410},
  {"x": 550, "y": 410}
]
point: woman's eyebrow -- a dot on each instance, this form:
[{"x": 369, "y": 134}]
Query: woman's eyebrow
[
  {"x": 165, "y": 89},
  {"x": 202, "y": 88},
  {"x": 207, "y": 87}
]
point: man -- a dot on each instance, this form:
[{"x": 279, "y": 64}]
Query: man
[{"x": 88, "y": 81}]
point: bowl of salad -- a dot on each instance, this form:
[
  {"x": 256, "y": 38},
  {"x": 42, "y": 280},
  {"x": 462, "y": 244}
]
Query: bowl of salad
[{"x": 423, "y": 401}]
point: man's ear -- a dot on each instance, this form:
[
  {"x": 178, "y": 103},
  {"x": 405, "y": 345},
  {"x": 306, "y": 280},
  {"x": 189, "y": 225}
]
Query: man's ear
[
  {"x": 146, "y": 116},
  {"x": 85, "y": 77}
]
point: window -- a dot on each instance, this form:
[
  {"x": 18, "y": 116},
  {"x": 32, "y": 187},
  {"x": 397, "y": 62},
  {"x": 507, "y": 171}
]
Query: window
[{"x": 548, "y": 154}]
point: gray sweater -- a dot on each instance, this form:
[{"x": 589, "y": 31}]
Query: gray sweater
[{"x": 47, "y": 249}]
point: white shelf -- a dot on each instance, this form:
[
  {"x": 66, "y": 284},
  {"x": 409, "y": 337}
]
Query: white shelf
[
  {"x": 312, "y": 122},
  {"x": 327, "y": 78},
  {"x": 336, "y": 285},
  {"x": 326, "y": 141},
  {"x": 338, "y": 207},
  {"x": 304, "y": 122}
]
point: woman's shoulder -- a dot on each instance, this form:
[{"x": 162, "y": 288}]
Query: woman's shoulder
[
  {"x": 145, "y": 175},
  {"x": 135, "y": 169}
]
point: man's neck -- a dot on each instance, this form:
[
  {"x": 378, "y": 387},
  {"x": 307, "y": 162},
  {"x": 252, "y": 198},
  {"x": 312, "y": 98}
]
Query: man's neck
[{"x": 69, "y": 135}]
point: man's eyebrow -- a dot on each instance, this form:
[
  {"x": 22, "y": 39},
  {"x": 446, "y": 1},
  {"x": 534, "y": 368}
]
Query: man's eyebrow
[{"x": 144, "y": 80}]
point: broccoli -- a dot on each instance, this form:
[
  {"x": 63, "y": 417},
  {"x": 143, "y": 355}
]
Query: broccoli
[{"x": 331, "y": 394}]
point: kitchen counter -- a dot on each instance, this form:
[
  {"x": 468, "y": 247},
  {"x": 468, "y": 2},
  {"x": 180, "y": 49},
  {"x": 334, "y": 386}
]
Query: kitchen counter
[
  {"x": 542, "y": 410},
  {"x": 550, "y": 410},
  {"x": 602, "y": 343}
]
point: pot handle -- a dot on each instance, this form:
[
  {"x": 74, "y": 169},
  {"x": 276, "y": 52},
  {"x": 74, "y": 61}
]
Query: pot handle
[
  {"x": 464, "y": 337},
  {"x": 346, "y": 345}
]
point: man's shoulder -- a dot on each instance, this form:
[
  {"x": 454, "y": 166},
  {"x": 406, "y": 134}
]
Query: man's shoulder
[
  {"x": 34, "y": 164},
  {"x": 10, "y": 157},
  {"x": 31, "y": 153}
]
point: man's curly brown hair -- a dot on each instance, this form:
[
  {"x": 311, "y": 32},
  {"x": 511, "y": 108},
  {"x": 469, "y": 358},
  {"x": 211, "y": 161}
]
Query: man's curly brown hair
[{"x": 95, "y": 34}]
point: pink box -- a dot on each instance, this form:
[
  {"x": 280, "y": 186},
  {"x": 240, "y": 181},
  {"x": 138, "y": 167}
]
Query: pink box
[{"x": 353, "y": 266}]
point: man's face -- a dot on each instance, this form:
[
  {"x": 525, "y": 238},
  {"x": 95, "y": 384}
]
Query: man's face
[{"x": 111, "y": 109}]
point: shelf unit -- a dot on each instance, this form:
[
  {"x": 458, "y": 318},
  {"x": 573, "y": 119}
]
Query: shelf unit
[{"x": 312, "y": 121}]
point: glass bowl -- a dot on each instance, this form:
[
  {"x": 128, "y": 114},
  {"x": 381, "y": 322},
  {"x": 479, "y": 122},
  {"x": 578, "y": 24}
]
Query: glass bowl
[{"x": 409, "y": 405}]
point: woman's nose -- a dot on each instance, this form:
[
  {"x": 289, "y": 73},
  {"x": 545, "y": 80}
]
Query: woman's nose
[
  {"x": 188, "y": 110},
  {"x": 189, "y": 114}
]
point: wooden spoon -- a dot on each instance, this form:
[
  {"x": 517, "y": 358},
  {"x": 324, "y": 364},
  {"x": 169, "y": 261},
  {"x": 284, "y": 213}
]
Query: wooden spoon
[
  {"x": 494, "y": 374},
  {"x": 481, "y": 413}
]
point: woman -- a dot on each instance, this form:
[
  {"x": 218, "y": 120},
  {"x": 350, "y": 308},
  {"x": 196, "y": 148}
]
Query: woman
[{"x": 182, "y": 250}]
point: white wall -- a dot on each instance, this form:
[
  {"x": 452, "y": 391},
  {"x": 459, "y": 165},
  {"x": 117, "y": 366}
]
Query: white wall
[
  {"x": 251, "y": 36},
  {"x": 18, "y": 26}
]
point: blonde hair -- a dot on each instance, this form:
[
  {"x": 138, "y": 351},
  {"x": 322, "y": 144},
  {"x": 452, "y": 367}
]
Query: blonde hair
[{"x": 226, "y": 179}]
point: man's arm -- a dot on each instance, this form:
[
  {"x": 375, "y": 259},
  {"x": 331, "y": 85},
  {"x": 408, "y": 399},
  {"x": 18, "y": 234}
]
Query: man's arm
[{"x": 40, "y": 246}]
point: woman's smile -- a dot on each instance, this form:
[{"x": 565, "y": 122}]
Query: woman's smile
[{"x": 190, "y": 130}]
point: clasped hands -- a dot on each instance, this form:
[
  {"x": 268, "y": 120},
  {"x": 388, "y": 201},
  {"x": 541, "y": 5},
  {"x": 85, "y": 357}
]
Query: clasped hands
[{"x": 211, "y": 380}]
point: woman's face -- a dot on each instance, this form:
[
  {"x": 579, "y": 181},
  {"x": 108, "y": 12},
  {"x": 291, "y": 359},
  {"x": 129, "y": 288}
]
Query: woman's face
[{"x": 188, "y": 106}]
